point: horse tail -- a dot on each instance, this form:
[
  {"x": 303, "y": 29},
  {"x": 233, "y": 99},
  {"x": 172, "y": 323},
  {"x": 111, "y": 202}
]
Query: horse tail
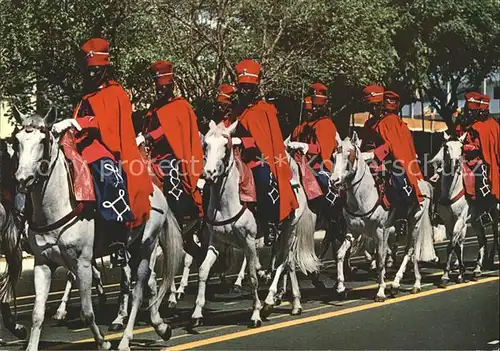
[
  {"x": 11, "y": 248},
  {"x": 303, "y": 253},
  {"x": 173, "y": 252},
  {"x": 423, "y": 238}
]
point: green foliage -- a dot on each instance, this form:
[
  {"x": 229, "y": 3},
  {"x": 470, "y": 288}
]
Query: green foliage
[{"x": 416, "y": 45}]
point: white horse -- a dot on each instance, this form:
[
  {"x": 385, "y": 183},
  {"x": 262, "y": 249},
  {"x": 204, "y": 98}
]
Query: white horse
[
  {"x": 456, "y": 209},
  {"x": 59, "y": 237},
  {"x": 364, "y": 214},
  {"x": 232, "y": 223}
]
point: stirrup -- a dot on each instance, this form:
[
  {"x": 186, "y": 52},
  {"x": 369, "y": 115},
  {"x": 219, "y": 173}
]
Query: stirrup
[
  {"x": 120, "y": 256},
  {"x": 271, "y": 235},
  {"x": 485, "y": 219}
]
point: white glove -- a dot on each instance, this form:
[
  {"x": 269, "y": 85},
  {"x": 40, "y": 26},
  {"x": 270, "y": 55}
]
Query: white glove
[
  {"x": 236, "y": 141},
  {"x": 140, "y": 139},
  {"x": 200, "y": 184},
  {"x": 295, "y": 145},
  {"x": 59, "y": 127},
  {"x": 368, "y": 155},
  {"x": 434, "y": 178}
]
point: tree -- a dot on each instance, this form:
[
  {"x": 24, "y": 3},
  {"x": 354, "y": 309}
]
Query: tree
[{"x": 446, "y": 47}]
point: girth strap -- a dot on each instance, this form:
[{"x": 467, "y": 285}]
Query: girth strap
[{"x": 58, "y": 224}]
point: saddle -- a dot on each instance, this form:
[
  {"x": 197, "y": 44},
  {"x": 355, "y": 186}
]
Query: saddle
[
  {"x": 307, "y": 178},
  {"x": 382, "y": 184},
  {"x": 79, "y": 171}
]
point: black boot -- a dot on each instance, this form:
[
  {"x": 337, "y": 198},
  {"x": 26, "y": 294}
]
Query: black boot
[
  {"x": 270, "y": 235},
  {"x": 120, "y": 256}
]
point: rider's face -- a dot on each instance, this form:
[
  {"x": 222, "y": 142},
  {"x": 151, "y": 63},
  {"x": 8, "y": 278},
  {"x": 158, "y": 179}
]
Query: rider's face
[
  {"x": 96, "y": 75},
  {"x": 164, "y": 91},
  {"x": 247, "y": 93}
]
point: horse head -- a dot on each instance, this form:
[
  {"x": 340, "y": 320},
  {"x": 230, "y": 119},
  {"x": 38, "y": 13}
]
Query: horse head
[
  {"x": 218, "y": 151},
  {"x": 345, "y": 156},
  {"x": 32, "y": 144}
]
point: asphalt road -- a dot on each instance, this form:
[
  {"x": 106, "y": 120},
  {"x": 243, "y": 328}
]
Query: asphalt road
[{"x": 463, "y": 316}]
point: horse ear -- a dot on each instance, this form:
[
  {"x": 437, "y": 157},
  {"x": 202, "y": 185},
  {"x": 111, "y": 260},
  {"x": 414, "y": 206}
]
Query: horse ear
[
  {"x": 230, "y": 130},
  {"x": 446, "y": 136},
  {"x": 212, "y": 124},
  {"x": 355, "y": 139},
  {"x": 462, "y": 137},
  {"x": 51, "y": 116},
  {"x": 19, "y": 117}
]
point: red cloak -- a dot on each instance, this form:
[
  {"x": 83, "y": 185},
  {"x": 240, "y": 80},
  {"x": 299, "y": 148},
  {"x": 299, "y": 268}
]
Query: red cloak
[
  {"x": 325, "y": 132},
  {"x": 179, "y": 124},
  {"x": 113, "y": 111},
  {"x": 489, "y": 134},
  {"x": 398, "y": 138},
  {"x": 261, "y": 121}
]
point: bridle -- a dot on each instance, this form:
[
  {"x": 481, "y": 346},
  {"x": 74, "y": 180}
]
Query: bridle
[
  {"x": 227, "y": 168},
  {"x": 46, "y": 168},
  {"x": 350, "y": 178}
]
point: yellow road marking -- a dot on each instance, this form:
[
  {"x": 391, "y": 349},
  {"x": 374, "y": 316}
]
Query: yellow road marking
[{"x": 248, "y": 332}]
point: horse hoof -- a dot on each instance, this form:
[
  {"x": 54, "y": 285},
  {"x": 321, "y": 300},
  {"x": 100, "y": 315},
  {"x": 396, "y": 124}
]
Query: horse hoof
[
  {"x": 415, "y": 290},
  {"x": 297, "y": 312},
  {"x": 236, "y": 289},
  {"x": 20, "y": 332},
  {"x": 380, "y": 298},
  {"x": 114, "y": 327},
  {"x": 341, "y": 295},
  {"x": 444, "y": 284},
  {"x": 181, "y": 296},
  {"x": 279, "y": 301},
  {"x": 60, "y": 318},
  {"x": 460, "y": 280},
  {"x": 477, "y": 274},
  {"x": 196, "y": 322},
  {"x": 172, "y": 305},
  {"x": 266, "y": 310},
  {"x": 394, "y": 290},
  {"x": 165, "y": 332},
  {"x": 255, "y": 324},
  {"x": 106, "y": 345}
]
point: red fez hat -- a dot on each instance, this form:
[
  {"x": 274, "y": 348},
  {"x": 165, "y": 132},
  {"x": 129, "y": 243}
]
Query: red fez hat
[
  {"x": 485, "y": 103},
  {"x": 226, "y": 92},
  {"x": 248, "y": 71},
  {"x": 475, "y": 101},
  {"x": 163, "y": 72},
  {"x": 319, "y": 93},
  {"x": 374, "y": 94},
  {"x": 308, "y": 104},
  {"x": 391, "y": 101},
  {"x": 96, "y": 52}
]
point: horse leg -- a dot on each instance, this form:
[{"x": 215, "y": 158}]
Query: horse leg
[
  {"x": 125, "y": 282},
  {"x": 241, "y": 275},
  {"x": 188, "y": 261},
  {"x": 481, "y": 237},
  {"x": 445, "y": 279},
  {"x": 496, "y": 244},
  {"x": 273, "y": 289},
  {"x": 208, "y": 262},
  {"x": 61, "y": 310},
  {"x": 99, "y": 287},
  {"x": 251, "y": 255},
  {"x": 42, "y": 274},
  {"x": 418, "y": 278},
  {"x": 281, "y": 291},
  {"x": 346, "y": 245},
  {"x": 382, "y": 237},
  {"x": 84, "y": 274},
  {"x": 172, "y": 297},
  {"x": 143, "y": 274},
  {"x": 401, "y": 271},
  {"x": 296, "y": 306},
  {"x": 163, "y": 330}
]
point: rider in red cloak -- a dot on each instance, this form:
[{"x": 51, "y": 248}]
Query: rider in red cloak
[
  {"x": 391, "y": 140},
  {"x": 263, "y": 150},
  {"x": 225, "y": 98},
  {"x": 106, "y": 140},
  {"x": 171, "y": 132},
  {"x": 481, "y": 152}
]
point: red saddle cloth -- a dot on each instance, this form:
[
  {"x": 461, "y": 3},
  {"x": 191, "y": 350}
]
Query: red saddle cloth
[
  {"x": 247, "y": 183},
  {"x": 154, "y": 171},
  {"x": 469, "y": 179},
  {"x": 307, "y": 178},
  {"x": 382, "y": 185},
  {"x": 81, "y": 177}
]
